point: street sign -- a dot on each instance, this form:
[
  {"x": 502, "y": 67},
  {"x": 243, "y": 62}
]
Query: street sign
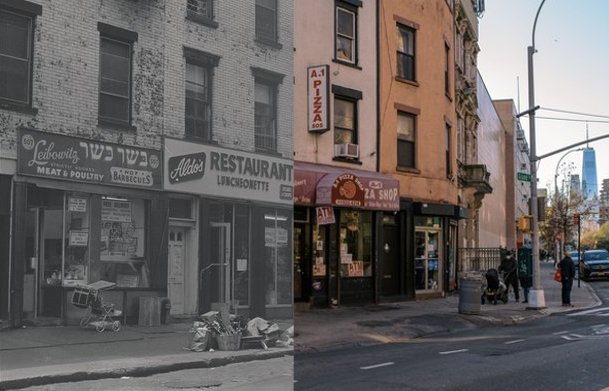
[{"x": 523, "y": 176}]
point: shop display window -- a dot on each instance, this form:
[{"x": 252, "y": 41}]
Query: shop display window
[
  {"x": 428, "y": 260},
  {"x": 77, "y": 239},
  {"x": 242, "y": 255},
  {"x": 278, "y": 257},
  {"x": 355, "y": 243},
  {"x": 319, "y": 260},
  {"x": 122, "y": 243}
]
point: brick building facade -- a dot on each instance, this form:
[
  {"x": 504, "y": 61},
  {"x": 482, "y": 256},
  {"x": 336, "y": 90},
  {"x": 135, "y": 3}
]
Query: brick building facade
[{"x": 105, "y": 87}]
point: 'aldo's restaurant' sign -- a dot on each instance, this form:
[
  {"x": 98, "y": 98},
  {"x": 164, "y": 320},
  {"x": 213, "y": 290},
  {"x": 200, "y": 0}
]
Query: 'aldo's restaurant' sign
[
  {"x": 214, "y": 171},
  {"x": 56, "y": 156}
]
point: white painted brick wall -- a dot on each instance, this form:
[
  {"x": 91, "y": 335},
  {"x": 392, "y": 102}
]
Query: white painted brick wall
[{"x": 66, "y": 66}]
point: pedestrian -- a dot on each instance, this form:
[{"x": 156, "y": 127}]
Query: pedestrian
[
  {"x": 525, "y": 282},
  {"x": 509, "y": 268},
  {"x": 567, "y": 274}
]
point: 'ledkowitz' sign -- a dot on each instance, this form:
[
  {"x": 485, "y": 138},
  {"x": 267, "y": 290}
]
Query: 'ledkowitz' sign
[{"x": 56, "y": 156}]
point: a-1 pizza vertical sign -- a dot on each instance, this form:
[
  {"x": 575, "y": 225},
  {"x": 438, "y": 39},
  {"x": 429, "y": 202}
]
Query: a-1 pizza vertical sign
[{"x": 318, "y": 98}]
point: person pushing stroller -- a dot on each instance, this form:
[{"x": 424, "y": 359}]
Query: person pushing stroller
[{"x": 509, "y": 268}]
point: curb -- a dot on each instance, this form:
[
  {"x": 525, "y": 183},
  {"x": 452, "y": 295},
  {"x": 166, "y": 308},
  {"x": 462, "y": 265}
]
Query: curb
[{"x": 139, "y": 370}]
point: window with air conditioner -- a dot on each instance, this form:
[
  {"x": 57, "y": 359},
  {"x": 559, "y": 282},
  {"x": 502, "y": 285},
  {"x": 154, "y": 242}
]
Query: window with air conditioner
[{"x": 345, "y": 128}]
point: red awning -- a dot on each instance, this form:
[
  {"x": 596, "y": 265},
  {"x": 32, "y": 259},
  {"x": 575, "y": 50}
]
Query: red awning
[{"x": 317, "y": 184}]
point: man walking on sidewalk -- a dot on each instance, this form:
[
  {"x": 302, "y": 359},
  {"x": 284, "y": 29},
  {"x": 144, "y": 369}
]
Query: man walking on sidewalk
[{"x": 567, "y": 273}]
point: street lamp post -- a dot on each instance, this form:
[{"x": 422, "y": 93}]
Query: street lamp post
[
  {"x": 536, "y": 295},
  {"x": 559, "y": 248}
]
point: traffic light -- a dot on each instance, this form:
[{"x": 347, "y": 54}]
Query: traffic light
[{"x": 524, "y": 223}]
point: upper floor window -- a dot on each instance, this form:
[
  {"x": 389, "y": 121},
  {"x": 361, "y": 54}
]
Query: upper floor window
[
  {"x": 115, "y": 54},
  {"x": 345, "y": 114},
  {"x": 202, "y": 12},
  {"x": 446, "y": 69},
  {"x": 15, "y": 57},
  {"x": 266, "y": 20},
  {"x": 406, "y": 53},
  {"x": 264, "y": 112},
  {"x": 447, "y": 154},
  {"x": 198, "y": 93},
  {"x": 345, "y": 35},
  {"x": 198, "y": 101},
  {"x": 266, "y": 84},
  {"x": 115, "y": 80},
  {"x": 406, "y": 130},
  {"x": 202, "y": 8}
]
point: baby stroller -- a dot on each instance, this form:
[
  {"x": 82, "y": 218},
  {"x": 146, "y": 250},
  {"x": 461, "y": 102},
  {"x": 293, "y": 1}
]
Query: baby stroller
[
  {"x": 99, "y": 314},
  {"x": 495, "y": 288}
]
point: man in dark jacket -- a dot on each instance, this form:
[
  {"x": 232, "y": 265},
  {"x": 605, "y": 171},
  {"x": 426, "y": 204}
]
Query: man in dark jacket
[
  {"x": 567, "y": 273},
  {"x": 510, "y": 275}
]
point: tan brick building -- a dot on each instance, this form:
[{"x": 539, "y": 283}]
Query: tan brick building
[{"x": 418, "y": 145}]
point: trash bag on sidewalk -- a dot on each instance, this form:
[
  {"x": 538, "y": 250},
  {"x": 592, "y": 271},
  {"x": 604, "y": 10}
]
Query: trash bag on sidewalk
[
  {"x": 287, "y": 337},
  {"x": 201, "y": 337},
  {"x": 261, "y": 327}
]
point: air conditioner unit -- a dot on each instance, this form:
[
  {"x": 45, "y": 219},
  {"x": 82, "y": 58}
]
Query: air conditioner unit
[{"x": 346, "y": 150}]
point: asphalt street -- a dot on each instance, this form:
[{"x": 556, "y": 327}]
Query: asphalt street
[
  {"x": 565, "y": 351},
  {"x": 268, "y": 375}
]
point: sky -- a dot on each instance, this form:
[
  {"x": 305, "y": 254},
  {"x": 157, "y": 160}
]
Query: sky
[{"x": 571, "y": 69}]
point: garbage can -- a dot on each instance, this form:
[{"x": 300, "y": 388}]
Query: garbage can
[
  {"x": 165, "y": 310},
  {"x": 469, "y": 296}
]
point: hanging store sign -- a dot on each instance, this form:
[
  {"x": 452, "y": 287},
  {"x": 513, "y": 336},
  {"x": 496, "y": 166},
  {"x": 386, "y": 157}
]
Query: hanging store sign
[
  {"x": 317, "y": 98},
  {"x": 210, "y": 170},
  {"x": 76, "y": 159}
]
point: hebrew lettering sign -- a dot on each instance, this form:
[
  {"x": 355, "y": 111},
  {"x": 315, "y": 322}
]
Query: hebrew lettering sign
[{"x": 56, "y": 156}]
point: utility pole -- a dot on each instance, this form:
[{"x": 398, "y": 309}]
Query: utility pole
[{"x": 536, "y": 295}]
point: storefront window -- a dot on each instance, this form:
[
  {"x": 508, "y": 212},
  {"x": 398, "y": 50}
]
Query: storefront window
[
  {"x": 319, "y": 260},
  {"x": 242, "y": 255},
  {"x": 428, "y": 257},
  {"x": 278, "y": 257},
  {"x": 355, "y": 238},
  {"x": 122, "y": 242},
  {"x": 77, "y": 233}
]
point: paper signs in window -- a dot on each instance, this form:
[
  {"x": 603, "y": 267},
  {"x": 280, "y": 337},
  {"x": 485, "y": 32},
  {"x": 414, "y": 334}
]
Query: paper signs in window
[
  {"x": 119, "y": 211},
  {"x": 76, "y": 204},
  {"x": 79, "y": 238},
  {"x": 356, "y": 269},
  {"x": 325, "y": 215}
]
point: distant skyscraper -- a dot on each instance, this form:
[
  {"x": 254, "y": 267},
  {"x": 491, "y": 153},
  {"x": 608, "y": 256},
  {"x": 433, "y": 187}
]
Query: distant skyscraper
[
  {"x": 575, "y": 187},
  {"x": 589, "y": 181}
]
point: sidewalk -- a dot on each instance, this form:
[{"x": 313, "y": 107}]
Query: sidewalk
[
  {"x": 325, "y": 329},
  {"x": 43, "y": 355}
]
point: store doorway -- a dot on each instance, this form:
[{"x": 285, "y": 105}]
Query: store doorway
[
  {"x": 300, "y": 264},
  {"x": 220, "y": 239},
  {"x": 390, "y": 271},
  {"x": 176, "y": 287},
  {"x": 42, "y": 280},
  {"x": 428, "y": 256}
]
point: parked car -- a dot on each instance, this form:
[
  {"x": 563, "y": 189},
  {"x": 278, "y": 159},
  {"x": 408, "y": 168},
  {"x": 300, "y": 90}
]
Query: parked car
[{"x": 595, "y": 264}]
